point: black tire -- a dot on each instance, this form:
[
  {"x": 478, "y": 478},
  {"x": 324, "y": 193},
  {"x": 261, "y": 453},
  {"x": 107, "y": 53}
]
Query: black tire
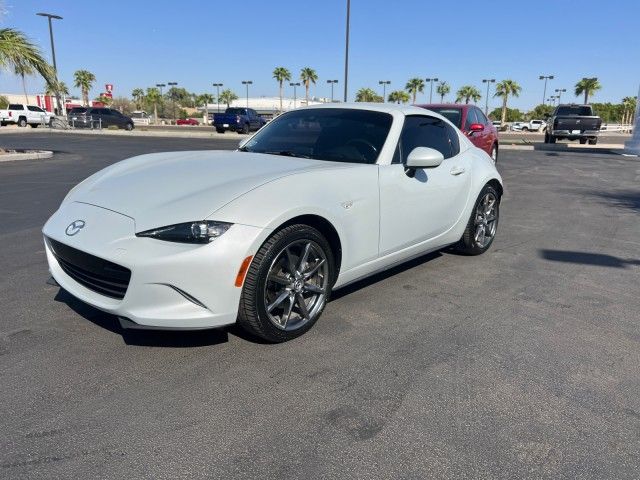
[
  {"x": 128, "y": 127},
  {"x": 245, "y": 129},
  {"x": 546, "y": 138},
  {"x": 525, "y": 129},
  {"x": 22, "y": 122},
  {"x": 494, "y": 153},
  {"x": 34, "y": 125},
  {"x": 252, "y": 314},
  {"x": 552, "y": 139},
  {"x": 468, "y": 244},
  {"x": 219, "y": 130},
  {"x": 593, "y": 141},
  {"x": 582, "y": 141}
]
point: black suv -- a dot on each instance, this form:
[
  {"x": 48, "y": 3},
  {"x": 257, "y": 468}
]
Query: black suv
[{"x": 97, "y": 117}]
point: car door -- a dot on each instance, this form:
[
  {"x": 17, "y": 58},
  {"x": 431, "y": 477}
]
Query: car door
[
  {"x": 421, "y": 205},
  {"x": 107, "y": 117},
  {"x": 34, "y": 114}
]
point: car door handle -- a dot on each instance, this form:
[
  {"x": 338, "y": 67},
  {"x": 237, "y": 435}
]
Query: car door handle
[{"x": 457, "y": 171}]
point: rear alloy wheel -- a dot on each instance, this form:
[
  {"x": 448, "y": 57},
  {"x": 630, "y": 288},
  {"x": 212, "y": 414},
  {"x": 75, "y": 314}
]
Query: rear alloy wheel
[
  {"x": 483, "y": 223},
  {"x": 593, "y": 141},
  {"x": 245, "y": 129},
  {"x": 22, "y": 122},
  {"x": 128, "y": 127},
  {"x": 288, "y": 284}
]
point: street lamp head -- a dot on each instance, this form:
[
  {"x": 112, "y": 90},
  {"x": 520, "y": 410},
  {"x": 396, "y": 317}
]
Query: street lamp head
[
  {"x": 217, "y": 84},
  {"x": 296, "y": 84},
  {"x": 247, "y": 82},
  {"x": 160, "y": 85},
  {"x": 172, "y": 83},
  {"x": 50, "y": 15}
]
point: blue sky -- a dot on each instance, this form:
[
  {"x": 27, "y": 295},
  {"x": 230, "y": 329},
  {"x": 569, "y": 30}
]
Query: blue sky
[{"x": 142, "y": 42}]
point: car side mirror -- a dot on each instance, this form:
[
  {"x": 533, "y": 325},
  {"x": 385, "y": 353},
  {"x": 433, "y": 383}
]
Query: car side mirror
[
  {"x": 476, "y": 127},
  {"x": 424, "y": 157}
]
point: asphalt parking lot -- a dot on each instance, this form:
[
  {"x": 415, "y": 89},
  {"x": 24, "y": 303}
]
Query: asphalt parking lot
[{"x": 521, "y": 363}]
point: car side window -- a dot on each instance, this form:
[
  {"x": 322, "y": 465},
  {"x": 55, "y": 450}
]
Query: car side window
[
  {"x": 471, "y": 118},
  {"x": 454, "y": 140},
  {"x": 34, "y": 109},
  {"x": 106, "y": 111},
  {"x": 481, "y": 118},
  {"x": 423, "y": 131}
]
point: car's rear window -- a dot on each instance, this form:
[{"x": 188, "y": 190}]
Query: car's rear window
[
  {"x": 581, "y": 110},
  {"x": 236, "y": 111},
  {"x": 15, "y": 106},
  {"x": 454, "y": 115}
]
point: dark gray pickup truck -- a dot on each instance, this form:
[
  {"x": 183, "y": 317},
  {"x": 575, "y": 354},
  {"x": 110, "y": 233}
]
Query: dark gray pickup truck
[{"x": 573, "y": 122}]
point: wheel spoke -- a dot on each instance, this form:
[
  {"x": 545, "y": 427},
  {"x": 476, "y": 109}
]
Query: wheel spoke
[
  {"x": 302, "y": 305},
  {"x": 278, "y": 279},
  {"x": 284, "y": 294},
  {"x": 480, "y": 233},
  {"x": 303, "y": 258},
  {"x": 310, "y": 287},
  {"x": 285, "y": 318},
  {"x": 315, "y": 268},
  {"x": 291, "y": 264}
]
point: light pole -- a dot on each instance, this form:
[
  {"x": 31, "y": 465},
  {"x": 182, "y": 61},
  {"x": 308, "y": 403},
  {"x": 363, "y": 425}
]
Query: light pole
[
  {"x": 486, "y": 102},
  {"x": 294, "y": 85},
  {"x": 384, "y": 84},
  {"x": 431, "y": 80},
  {"x": 161, "y": 86},
  {"x": 53, "y": 56},
  {"x": 346, "y": 52},
  {"x": 559, "y": 92},
  {"x": 332, "y": 82},
  {"x": 247, "y": 83},
  {"x": 545, "y": 78},
  {"x": 173, "y": 84},
  {"x": 217, "y": 85}
]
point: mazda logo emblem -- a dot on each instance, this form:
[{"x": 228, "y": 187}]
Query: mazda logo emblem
[{"x": 74, "y": 227}]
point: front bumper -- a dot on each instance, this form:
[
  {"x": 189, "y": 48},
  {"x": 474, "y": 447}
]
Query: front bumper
[{"x": 172, "y": 285}]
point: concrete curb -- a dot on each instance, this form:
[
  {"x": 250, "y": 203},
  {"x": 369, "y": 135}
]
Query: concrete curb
[{"x": 33, "y": 155}]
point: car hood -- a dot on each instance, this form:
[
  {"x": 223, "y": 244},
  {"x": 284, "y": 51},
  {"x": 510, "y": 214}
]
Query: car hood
[{"x": 167, "y": 188}]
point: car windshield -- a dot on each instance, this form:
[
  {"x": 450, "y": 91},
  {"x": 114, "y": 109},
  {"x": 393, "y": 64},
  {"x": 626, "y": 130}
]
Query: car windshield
[
  {"x": 333, "y": 134},
  {"x": 581, "y": 110},
  {"x": 77, "y": 110},
  {"x": 454, "y": 115}
]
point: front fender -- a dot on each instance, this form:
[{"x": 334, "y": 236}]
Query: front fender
[{"x": 345, "y": 196}]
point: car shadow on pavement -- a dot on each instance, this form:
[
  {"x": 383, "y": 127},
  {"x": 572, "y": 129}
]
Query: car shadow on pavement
[
  {"x": 595, "y": 259},
  {"x": 378, "y": 277},
  {"x": 144, "y": 338},
  {"x": 628, "y": 199}
]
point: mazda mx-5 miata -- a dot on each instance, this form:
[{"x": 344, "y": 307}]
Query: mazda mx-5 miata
[{"x": 319, "y": 198}]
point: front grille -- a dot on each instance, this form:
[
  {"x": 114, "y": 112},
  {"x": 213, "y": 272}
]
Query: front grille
[{"x": 101, "y": 276}]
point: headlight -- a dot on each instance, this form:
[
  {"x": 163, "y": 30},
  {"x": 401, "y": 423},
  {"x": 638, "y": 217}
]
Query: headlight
[{"x": 193, "y": 232}]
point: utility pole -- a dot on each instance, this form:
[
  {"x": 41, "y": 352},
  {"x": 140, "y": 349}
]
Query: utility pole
[
  {"x": 173, "y": 84},
  {"x": 332, "y": 82},
  {"x": 218, "y": 85},
  {"x": 346, "y": 54},
  {"x": 486, "y": 102},
  {"x": 247, "y": 83},
  {"x": 294, "y": 85},
  {"x": 384, "y": 84},
  {"x": 545, "y": 77},
  {"x": 559, "y": 92},
  {"x": 53, "y": 58},
  {"x": 431, "y": 80}
]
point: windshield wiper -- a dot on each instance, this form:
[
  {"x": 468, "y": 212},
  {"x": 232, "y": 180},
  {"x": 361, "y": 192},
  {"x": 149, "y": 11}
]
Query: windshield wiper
[{"x": 286, "y": 153}]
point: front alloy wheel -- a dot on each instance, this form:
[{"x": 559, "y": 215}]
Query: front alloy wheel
[
  {"x": 482, "y": 226},
  {"x": 287, "y": 285}
]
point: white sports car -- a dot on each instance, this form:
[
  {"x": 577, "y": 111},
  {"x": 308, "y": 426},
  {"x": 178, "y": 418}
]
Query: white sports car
[{"x": 319, "y": 198}]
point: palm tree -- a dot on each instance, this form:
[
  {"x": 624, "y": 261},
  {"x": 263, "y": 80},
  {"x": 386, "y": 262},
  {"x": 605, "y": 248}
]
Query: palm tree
[
  {"x": 138, "y": 97},
  {"x": 23, "y": 70},
  {"x": 504, "y": 89},
  {"x": 443, "y": 90},
  {"x": 399, "y": 96},
  {"x": 281, "y": 74},
  {"x": 59, "y": 88},
  {"x": 629, "y": 105},
  {"x": 205, "y": 99},
  {"x": 588, "y": 86},
  {"x": 368, "y": 95},
  {"x": 467, "y": 93},
  {"x": 16, "y": 50},
  {"x": 413, "y": 86},
  {"x": 227, "y": 96},
  {"x": 153, "y": 97},
  {"x": 308, "y": 76},
  {"x": 83, "y": 79}
]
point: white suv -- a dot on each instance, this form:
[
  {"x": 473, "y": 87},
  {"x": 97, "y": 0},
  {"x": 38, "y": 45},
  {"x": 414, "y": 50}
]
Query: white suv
[{"x": 25, "y": 115}]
